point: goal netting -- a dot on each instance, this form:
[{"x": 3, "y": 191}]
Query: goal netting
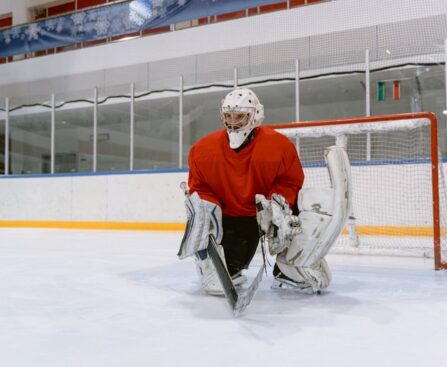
[{"x": 399, "y": 192}]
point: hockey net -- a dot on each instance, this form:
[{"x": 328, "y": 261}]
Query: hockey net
[{"x": 399, "y": 193}]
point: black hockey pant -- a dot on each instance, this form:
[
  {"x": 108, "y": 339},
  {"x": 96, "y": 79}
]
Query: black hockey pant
[{"x": 240, "y": 240}]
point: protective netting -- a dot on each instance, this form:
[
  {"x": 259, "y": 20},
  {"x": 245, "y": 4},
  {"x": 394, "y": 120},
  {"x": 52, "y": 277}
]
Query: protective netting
[{"x": 391, "y": 166}]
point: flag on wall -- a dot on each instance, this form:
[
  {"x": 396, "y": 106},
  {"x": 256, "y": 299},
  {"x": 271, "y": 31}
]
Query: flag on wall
[
  {"x": 381, "y": 91},
  {"x": 396, "y": 90}
]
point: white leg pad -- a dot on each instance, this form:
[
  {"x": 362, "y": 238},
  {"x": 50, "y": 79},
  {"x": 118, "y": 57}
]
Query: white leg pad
[
  {"x": 208, "y": 275},
  {"x": 323, "y": 213}
]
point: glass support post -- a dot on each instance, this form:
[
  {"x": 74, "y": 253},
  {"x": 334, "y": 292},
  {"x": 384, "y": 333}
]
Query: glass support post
[
  {"x": 53, "y": 133},
  {"x": 132, "y": 126},
  {"x": 368, "y": 101},
  {"x": 180, "y": 121},
  {"x": 235, "y": 77},
  {"x": 7, "y": 136},
  {"x": 445, "y": 83},
  {"x": 297, "y": 100},
  {"x": 95, "y": 129}
]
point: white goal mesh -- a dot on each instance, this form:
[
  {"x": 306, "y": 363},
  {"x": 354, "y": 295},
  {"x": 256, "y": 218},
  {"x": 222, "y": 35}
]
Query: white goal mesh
[{"x": 392, "y": 161}]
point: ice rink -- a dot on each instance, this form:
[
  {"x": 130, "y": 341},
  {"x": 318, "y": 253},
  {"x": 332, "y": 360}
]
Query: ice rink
[{"x": 97, "y": 298}]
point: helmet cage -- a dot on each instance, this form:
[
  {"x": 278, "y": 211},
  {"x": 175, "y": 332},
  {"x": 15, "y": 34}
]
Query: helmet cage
[{"x": 237, "y": 118}]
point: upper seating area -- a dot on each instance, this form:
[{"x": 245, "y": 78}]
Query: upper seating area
[{"x": 72, "y": 24}]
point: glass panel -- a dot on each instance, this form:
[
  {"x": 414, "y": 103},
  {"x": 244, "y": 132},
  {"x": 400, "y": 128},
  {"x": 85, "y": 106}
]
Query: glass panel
[
  {"x": 409, "y": 99},
  {"x": 201, "y": 117},
  {"x": 114, "y": 136},
  {"x": 74, "y": 138},
  {"x": 156, "y": 133},
  {"x": 420, "y": 88},
  {"x": 30, "y": 139},
  {"x": 432, "y": 84},
  {"x": 2, "y": 139},
  {"x": 278, "y": 101},
  {"x": 332, "y": 97}
]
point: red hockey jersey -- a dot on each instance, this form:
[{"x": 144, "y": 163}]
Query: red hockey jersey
[{"x": 268, "y": 164}]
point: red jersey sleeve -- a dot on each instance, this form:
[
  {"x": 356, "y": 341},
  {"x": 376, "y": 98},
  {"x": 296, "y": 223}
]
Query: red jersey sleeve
[
  {"x": 197, "y": 182},
  {"x": 290, "y": 178}
]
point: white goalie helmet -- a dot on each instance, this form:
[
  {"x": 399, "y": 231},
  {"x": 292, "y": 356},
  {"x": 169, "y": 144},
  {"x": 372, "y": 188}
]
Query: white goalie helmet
[{"x": 240, "y": 113}]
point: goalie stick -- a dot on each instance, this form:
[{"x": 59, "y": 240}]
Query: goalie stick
[{"x": 238, "y": 300}]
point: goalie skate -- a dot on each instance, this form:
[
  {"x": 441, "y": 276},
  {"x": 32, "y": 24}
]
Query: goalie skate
[{"x": 281, "y": 281}]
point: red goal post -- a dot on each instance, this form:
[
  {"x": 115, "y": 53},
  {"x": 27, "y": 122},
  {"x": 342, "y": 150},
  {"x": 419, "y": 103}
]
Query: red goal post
[{"x": 394, "y": 158}]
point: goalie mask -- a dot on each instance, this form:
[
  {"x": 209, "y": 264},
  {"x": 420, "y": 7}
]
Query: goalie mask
[{"x": 240, "y": 113}]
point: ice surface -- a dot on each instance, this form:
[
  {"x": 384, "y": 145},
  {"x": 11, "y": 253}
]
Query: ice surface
[{"x": 96, "y": 298}]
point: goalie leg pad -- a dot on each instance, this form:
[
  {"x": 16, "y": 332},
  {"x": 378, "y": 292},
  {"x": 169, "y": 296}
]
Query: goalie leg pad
[
  {"x": 323, "y": 213},
  {"x": 207, "y": 273},
  {"x": 203, "y": 218},
  {"x": 306, "y": 247}
]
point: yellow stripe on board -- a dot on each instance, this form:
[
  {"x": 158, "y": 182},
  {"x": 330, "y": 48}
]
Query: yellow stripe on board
[
  {"x": 161, "y": 226},
  {"x": 125, "y": 226},
  {"x": 393, "y": 231}
]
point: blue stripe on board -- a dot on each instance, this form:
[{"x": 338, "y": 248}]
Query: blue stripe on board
[
  {"x": 382, "y": 162},
  {"x": 185, "y": 170},
  {"x": 102, "y": 173}
]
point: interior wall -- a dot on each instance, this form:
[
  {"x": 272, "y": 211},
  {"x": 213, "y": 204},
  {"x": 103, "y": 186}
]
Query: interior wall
[
  {"x": 156, "y": 197},
  {"x": 333, "y": 17},
  {"x": 103, "y": 198},
  {"x": 19, "y": 9}
]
